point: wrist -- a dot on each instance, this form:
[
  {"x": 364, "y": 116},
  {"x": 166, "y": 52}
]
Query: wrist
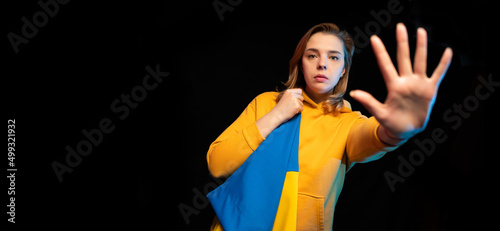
[
  {"x": 276, "y": 117},
  {"x": 388, "y": 138},
  {"x": 267, "y": 123}
]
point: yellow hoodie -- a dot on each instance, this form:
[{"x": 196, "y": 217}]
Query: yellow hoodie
[{"x": 328, "y": 146}]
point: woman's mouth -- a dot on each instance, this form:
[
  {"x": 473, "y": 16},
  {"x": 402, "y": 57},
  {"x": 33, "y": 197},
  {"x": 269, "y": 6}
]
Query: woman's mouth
[{"x": 320, "y": 78}]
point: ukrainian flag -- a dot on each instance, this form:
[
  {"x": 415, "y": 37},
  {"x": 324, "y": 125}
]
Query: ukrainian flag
[{"x": 262, "y": 193}]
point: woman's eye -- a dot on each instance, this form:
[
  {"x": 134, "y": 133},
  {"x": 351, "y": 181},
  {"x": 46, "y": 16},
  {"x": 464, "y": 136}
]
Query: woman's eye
[
  {"x": 334, "y": 57},
  {"x": 311, "y": 56}
]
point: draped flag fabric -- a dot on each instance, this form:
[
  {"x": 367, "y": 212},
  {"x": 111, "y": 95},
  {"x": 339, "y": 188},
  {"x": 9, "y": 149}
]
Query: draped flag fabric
[{"x": 262, "y": 193}]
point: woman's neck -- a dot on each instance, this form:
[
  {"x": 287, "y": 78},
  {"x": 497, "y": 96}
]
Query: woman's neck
[{"x": 317, "y": 97}]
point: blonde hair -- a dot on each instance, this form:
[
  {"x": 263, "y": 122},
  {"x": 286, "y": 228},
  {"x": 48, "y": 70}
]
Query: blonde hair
[{"x": 334, "y": 102}]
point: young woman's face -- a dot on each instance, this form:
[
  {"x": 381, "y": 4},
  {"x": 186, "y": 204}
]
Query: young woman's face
[{"x": 323, "y": 63}]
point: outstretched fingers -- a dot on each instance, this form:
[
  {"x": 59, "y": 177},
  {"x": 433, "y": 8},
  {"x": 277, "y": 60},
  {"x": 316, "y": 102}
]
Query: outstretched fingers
[
  {"x": 403, "y": 52},
  {"x": 369, "y": 102},
  {"x": 420, "y": 63},
  {"x": 440, "y": 71},
  {"x": 384, "y": 60}
]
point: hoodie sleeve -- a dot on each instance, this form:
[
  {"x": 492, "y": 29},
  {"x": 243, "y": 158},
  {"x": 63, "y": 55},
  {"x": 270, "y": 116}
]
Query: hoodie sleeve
[{"x": 363, "y": 143}]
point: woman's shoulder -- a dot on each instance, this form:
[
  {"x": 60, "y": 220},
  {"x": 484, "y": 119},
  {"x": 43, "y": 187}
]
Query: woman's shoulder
[
  {"x": 267, "y": 96},
  {"x": 265, "y": 101},
  {"x": 348, "y": 111}
]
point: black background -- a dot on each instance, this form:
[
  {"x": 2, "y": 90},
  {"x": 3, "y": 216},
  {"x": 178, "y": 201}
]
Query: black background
[{"x": 66, "y": 77}]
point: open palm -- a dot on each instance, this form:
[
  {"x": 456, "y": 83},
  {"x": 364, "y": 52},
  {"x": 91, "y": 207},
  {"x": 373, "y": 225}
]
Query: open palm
[{"x": 411, "y": 94}]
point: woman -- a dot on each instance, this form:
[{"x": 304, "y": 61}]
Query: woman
[{"x": 332, "y": 137}]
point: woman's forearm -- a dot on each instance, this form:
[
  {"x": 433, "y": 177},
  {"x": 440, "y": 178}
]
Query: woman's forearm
[{"x": 267, "y": 123}]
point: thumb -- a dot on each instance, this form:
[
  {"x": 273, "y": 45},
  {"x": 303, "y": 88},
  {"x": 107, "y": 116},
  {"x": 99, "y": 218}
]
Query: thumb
[{"x": 369, "y": 102}]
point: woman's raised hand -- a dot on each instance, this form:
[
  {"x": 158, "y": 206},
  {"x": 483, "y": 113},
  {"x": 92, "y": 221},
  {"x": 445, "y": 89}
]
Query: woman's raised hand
[
  {"x": 411, "y": 94},
  {"x": 289, "y": 105}
]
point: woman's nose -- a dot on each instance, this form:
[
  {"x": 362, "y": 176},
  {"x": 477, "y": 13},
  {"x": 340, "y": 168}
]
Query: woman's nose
[
  {"x": 322, "y": 64},
  {"x": 321, "y": 67}
]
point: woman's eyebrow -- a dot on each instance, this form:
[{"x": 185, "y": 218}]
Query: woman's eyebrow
[{"x": 329, "y": 52}]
